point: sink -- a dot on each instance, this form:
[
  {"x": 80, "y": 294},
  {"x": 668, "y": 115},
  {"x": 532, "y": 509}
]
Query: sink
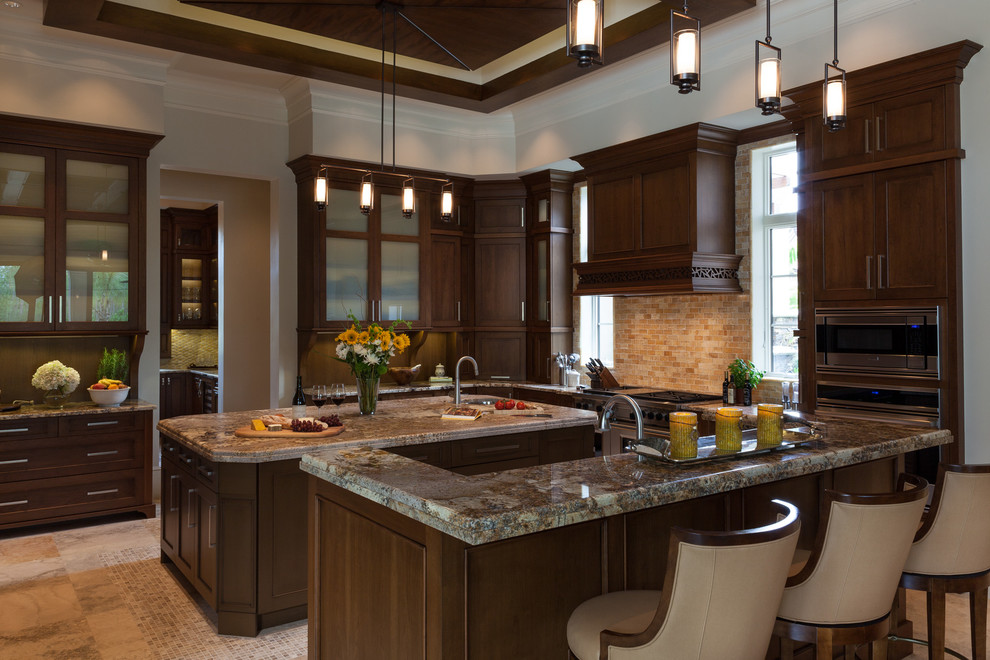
[{"x": 479, "y": 400}]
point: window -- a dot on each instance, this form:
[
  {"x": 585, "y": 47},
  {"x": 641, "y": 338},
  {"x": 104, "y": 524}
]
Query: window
[
  {"x": 774, "y": 241},
  {"x": 596, "y": 329}
]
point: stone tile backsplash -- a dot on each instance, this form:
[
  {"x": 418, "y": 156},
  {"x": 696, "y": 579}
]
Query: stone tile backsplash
[{"x": 192, "y": 347}]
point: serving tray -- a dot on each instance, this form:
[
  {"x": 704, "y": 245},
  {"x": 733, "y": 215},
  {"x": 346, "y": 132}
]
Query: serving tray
[
  {"x": 248, "y": 432},
  {"x": 659, "y": 448}
]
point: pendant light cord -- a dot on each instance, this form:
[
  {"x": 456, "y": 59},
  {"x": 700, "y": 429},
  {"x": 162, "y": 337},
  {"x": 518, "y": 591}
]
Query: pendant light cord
[
  {"x": 768, "y": 22},
  {"x": 382, "y": 129},
  {"x": 395, "y": 47},
  {"x": 835, "y": 33}
]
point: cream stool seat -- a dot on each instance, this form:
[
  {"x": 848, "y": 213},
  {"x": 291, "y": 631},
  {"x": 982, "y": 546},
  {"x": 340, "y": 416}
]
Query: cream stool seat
[
  {"x": 843, "y": 594},
  {"x": 719, "y": 599},
  {"x": 951, "y": 553}
]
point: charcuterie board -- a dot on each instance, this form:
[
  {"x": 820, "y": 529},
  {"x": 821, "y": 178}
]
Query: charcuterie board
[{"x": 248, "y": 432}]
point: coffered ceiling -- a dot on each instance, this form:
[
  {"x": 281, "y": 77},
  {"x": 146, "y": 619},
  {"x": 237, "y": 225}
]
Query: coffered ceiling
[{"x": 474, "y": 54}]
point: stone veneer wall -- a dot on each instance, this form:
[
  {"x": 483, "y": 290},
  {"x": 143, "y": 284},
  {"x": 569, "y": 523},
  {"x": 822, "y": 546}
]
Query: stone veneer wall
[
  {"x": 197, "y": 347},
  {"x": 686, "y": 342}
]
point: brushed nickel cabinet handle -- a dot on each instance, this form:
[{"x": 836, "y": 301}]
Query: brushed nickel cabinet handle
[
  {"x": 12, "y": 462},
  {"x": 108, "y": 491},
  {"x": 869, "y": 272},
  {"x": 109, "y": 423},
  {"x": 174, "y": 504},
  {"x": 60, "y": 309},
  {"x": 523, "y": 317},
  {"x": 103, "y": 453},
  {"x": 492, "y": 450},
  {"x": 879, "y": 145},
  {"x": 458, "y": 311},
  {"x": 880, "y": 272},
  {"x": 14, "y": 503},
  {"x": 50, "y": 318},
  {"x": 20, "y": 430},
  {"x": 211, "y": 539},
  {"x": 866, "y": 138},
  {"x": 190, "y": 508},
  {"x": 522, "y": 216}
]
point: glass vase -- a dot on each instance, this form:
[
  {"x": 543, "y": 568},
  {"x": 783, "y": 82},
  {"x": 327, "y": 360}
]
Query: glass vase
[
  {"x": 367, "y": 390},
  {"x": 55, "y": 399}
]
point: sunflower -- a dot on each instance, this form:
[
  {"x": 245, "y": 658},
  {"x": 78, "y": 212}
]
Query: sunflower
[
  {"x": 385, "y": 338},
  {"x": 350, "y": 336},
  {"x": 401, "y": 342},
  {"x": 364, "y": 337}
]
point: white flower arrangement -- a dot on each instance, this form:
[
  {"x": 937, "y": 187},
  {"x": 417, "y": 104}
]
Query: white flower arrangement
[{"x": 55, "y": 376}]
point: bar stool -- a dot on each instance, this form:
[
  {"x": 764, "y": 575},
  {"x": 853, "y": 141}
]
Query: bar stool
[
  {"x": 951, "y": 554},
  {"x": 719, "y": 599},
  {"x": 843, "y": 594}
]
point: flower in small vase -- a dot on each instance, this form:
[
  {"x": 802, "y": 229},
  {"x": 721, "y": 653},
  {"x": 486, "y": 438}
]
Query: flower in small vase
[
  {"x": 368, "y": 349},
  {"x": 55, "y": 376}
]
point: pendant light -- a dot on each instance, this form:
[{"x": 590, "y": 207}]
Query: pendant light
[
  {"x": 834, "y": 87},
  {"x": 685, "y": 51},
  {"x": 408, "y": 198},
  {"x": 320, "y": 193},
  {"x": 767, "y": 73},
  {"x": 447, "y": 202},
  {"x": 367, "y": 194},
  {"x": 584, "y": 31}
]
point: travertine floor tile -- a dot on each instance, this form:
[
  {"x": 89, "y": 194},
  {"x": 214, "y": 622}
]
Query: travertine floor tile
[
  {"x": 38, "y": 603},
  {"x": 27, "y": 571},
  {"x": 28, "y": 548},
  {"x": 68, "y": 640}
]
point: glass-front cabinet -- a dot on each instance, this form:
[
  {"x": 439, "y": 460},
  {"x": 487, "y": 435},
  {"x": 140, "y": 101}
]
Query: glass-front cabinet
[
  {"x": 373, "y": 262},
  {"x": 69, "y": 222}
]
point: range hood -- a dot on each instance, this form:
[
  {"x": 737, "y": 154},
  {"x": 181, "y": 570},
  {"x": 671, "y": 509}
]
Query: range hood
[{"x": 662, "y": 215}]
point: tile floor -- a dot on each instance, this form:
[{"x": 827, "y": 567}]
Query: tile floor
[{"x": 98, "y": 590}]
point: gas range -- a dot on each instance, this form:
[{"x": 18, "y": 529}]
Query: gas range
[{"x": 656, "y": 404}]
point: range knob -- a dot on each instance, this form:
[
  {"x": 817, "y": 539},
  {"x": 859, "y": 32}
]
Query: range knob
[
  {"x": 598, "y": 408},
  {"x": 649, "y": 415}
]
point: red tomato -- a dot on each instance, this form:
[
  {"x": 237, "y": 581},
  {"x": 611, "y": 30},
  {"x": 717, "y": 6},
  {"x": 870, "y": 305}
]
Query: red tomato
[
  {"x": 510, "y": 404},
  {"x": 520, "y": 405},
  {"x": 500, "y": 405}
]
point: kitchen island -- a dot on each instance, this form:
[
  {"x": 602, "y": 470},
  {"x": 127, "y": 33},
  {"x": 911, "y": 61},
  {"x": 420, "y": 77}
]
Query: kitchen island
[
  {"x": 414, "y": 561},
  {"x": 234, "y": 508}
]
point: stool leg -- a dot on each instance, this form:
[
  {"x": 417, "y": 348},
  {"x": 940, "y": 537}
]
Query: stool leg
[
  {"x": 823, "y": 644},
  {"x": 978, "y": 623},
  {"x": 786, "y": 649},
  {"x": 849, "y": 652},
  {"x": 936, "y": 620},
  {"x": 878, "y": 649}
]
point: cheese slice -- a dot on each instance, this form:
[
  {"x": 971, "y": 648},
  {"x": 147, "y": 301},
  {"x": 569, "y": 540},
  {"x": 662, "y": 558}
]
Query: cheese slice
[{"x": 258, "y": 425}]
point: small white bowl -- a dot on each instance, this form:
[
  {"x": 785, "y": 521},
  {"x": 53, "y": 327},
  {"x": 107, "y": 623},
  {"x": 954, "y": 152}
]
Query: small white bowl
[{"x": 108, "y": 398}]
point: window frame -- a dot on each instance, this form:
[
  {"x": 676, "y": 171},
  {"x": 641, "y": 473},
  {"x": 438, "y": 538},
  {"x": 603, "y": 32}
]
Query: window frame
[
  {"x": 590, "y": 321},
  {"x": 761, "y": 224}
]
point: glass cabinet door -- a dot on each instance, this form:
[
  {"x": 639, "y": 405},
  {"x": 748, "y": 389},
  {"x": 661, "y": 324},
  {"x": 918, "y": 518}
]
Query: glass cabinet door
[
  {"x": 543, "y": 279},
  {"x": 400, "y": 281},
  {"x": 97, "y": 268},
  {"x": 192, "y": 281},
  {"x": 347, "y": 279},
  {"x": 96, "y": 187},
  {"x": 23, "y": 294}
]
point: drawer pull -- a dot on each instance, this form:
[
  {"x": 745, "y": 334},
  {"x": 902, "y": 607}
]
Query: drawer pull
[
  {"x": 205, "y": 470},
  {"x": 110, "y": 423},
  {"x": 419, "y": 458},
  {"x": 174, "y": 504},
  {"x": 211, "y": 528},
  {"x": 492, "y": 450},
  {"x": 16, "y": 460},
  {"x": 108, "y": 491},
  {"x": 15, "y": 430},
  {"x": 190, "y": 509},
  {"x": 103, "y": 453},
  {"x": 13, "y": 503}
]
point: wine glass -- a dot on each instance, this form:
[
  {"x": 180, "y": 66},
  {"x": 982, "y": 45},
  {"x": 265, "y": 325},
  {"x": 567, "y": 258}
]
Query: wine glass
[
  {"x": 337, "y": 393},
  {"x": 319, "y": 393}
]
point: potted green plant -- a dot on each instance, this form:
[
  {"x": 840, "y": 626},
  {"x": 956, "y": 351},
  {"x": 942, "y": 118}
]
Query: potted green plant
[
  {"x": 111, "y": 372},
  {"x": 113, "y": 365},
  {"x": 739, "y": 371}
]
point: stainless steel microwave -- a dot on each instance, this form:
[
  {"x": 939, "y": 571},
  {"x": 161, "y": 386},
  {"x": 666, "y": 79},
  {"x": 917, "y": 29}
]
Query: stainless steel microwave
[{"x": 894, "y": 341}]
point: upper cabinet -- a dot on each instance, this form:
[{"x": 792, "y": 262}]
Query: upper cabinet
[
  {"x": 192, "y": 300},
  {"x": 662, "y": 214},
  {"x": 72, "y": 218}
]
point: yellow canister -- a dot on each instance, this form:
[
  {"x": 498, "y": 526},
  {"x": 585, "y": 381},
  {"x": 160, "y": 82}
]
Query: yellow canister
[
  {"x": 728, "y": 433},
  {"x": 769, "y": 430},
  {"x": 683, "y": 434}
]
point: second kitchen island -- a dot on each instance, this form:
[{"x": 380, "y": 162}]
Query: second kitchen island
[{"x": 234, "y": 509}]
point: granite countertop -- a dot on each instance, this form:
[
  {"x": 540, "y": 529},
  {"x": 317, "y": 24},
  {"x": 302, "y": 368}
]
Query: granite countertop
[
  {"x": 490, "y": 507},
  {"x": 396, "y": 422},
  {"x": 426, "y": 386},
  {"x": 76, "y": 408},
  {"x": 205, "y": 371}
]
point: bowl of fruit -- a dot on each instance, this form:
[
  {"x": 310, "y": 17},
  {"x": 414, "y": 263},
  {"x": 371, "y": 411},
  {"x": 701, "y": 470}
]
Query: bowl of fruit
[{"x": 108, "y": 393}]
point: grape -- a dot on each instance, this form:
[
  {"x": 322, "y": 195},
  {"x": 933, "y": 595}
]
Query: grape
[
  {"x": 331, "y": 420},
  {"x": 306, "y": 426}
]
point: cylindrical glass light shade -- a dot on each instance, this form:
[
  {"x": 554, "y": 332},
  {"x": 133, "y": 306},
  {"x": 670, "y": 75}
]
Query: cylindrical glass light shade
[
  {"x": 584, "y": 31},
  {"x": 408, "y": 199},
  {"x": 320, "y": 194},
  {"x": 767, "y": 78},
  {"x": 447, "y": 204},
  {"x": 685, "y": 52},
  {"x": 367, "y": 195},
  {"x": 834, "y": 98}
]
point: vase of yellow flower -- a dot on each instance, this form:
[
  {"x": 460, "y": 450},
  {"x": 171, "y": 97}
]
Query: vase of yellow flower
[{"x": 367, "y": 350}]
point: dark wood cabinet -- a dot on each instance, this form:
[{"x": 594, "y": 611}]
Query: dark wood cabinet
[
  {"x": 881, "y": 236},
  {"x": 55, "y": 468},
  {"x": 193, "y": 293},
  {"x": 174, "y": 396},
  {"x": 205, "y": 394},
  {"x": 500, "y": 282},
  {"x": 237, "y": 533},
  {"x": 501, "y": 354},
  {"x": 662, "y": 214},
  {"x": 903, "y": 125},
  {"x": 446, "y": 288}
]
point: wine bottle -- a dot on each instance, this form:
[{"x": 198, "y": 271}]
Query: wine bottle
[
  {"x": 298, "y": 400},
  {"x": 748, "y": 393},
  {"x": 725, "y": 389}
]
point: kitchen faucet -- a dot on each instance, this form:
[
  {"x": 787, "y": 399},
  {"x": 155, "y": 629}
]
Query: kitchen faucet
[
  {"x": 608, "y": 413},
  {"x": 457, "y": 377}
]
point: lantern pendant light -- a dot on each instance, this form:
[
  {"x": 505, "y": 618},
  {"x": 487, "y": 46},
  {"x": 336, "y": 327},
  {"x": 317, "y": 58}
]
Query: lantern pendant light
[
  {"x": 408, "y": 198},
  {"x": 584, "y": 31},
  {"x": 321, "y": 189},
  {"x": 685, "y": 51},
  {"x": 367, "y": 194},
  {"x": 447, "y": 202},
  {"x": 767, "y": 73},
  {"x": 834, "y": 87}
]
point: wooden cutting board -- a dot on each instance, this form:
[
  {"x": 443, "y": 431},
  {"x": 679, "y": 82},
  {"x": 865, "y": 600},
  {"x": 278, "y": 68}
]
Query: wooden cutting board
[{"x": 248, "y": 432}]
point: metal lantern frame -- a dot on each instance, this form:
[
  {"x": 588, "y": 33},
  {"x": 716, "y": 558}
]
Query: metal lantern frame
[
  {"x": 585, "y": 53},
  {"x": 834, "y": 74},
  {"x": 681, "y": 22},
  {"x": 768, "y": 104}
]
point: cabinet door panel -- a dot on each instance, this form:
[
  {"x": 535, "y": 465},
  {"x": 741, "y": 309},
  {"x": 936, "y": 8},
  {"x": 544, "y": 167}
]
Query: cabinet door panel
[
  {"x": 346, "y": 278},
  {"x": 667, "y": 212},
  {"x": 911, "y": 124},
  {"x": 911, "y": 226},
  {"x": 171, "y": 494},
  {"x": 501, "y": 281},
  {"x": 852, "y": 145},
  {"x": 445, "y": 280},
  {"x": 400, "y": 281},
  {"x": 615, "y": 207},
  {"x": 501, "y": 354},
  {"x": 844, "y": 254},
  {"x": 24, "y": 294},
  {"x": 500, "y": 216},
  {"x": 206, "y": 567}
]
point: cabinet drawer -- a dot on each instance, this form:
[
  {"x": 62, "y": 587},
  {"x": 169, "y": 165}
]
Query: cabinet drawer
[
  {"x": 206, "y": 471},
  {"x": 497, "y": 466},
  {"x": 433, "y": 453},
  {"x": 497, "y": 448},
  {"x": 63, "y": 496},
  {"x": 75, "y": 424},
  {"x": 23, "y": 429},
  {"x": 54, "y": 457}
]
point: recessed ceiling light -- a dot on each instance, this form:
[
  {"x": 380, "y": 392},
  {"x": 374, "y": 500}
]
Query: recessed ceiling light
[{"x": 11, "y": 4}]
